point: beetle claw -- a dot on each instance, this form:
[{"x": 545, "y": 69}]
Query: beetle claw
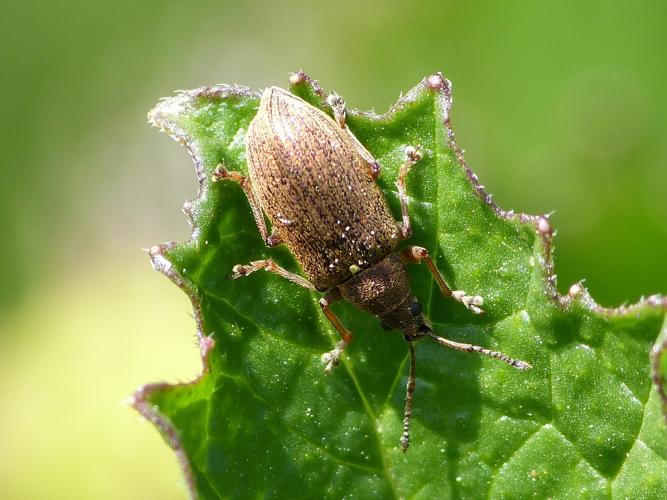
[
  {"x": 219, "y": 173},
  {"x": 338, "y": 106}
]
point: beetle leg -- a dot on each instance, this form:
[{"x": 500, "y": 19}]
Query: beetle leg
[
  {"x": 412, "y": 156},
  {"x": 332, "y": 358},
  {"x": 268, "y": 265},
  {"x": 221, "y": 173},
  {"x": 418, "y": 254},
  {"x": 340, "y": 114},
  {"x": 338, "y": 107}
]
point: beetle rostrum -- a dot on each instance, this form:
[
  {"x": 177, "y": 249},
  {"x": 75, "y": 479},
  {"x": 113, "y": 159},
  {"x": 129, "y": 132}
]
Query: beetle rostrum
[{"x": 316, "y": 184}]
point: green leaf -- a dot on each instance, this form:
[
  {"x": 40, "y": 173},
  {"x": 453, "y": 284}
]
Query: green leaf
[{"x": 264, "y": 420}]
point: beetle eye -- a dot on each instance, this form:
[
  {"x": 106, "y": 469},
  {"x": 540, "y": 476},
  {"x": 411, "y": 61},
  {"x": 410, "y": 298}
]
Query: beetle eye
[
  {"x": 416, "y": 308},
  {"x": 386, "y": 325}
]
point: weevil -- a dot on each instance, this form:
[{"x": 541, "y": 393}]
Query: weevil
[{"x": 317, "y": 185}]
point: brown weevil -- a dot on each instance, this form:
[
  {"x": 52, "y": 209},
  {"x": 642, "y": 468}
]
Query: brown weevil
[{"x": 316, "y": 184}]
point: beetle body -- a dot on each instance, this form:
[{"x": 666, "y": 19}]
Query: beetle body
[
  {"x": 317, "y": 190},
  {"x": 316, "y": 184}
]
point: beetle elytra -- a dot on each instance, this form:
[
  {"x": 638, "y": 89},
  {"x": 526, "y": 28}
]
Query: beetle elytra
[{"x": 316, "y": 184}]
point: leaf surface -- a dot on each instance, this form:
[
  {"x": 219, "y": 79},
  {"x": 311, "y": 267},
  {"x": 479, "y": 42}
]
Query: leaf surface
[{"x": 264, "y": 420}]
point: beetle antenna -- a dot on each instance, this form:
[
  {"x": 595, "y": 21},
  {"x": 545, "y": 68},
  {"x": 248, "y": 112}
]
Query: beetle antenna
[
  {"x": 409, "y": 392},
  {"x": 458, "y": 346}
]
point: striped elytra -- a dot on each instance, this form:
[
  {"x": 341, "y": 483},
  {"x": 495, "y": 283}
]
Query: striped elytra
[{"x": 317, "y": 190}]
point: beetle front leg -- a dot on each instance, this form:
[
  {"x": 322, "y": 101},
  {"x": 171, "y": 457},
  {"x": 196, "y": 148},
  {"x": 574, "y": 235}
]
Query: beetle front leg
[
  {"x": 332, "y": 358},
  {"x": 239, "y": 271},
  {"x": 412, "y": 156},
  {"x": 418, "y": 254},
  {"x": 340, "y": 114},
  {"x": 221, "y": 173}
]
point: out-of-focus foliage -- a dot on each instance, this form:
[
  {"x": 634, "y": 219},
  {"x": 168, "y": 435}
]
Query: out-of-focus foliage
[{"x": 559, "y": 105}]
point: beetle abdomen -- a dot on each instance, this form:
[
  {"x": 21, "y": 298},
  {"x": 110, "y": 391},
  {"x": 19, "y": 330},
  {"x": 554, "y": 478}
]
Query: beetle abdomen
[{"x": 317, "y": 189}]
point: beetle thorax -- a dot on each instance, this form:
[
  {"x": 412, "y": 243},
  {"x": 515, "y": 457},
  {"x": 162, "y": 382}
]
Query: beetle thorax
[{"x": 384, "y": 290}]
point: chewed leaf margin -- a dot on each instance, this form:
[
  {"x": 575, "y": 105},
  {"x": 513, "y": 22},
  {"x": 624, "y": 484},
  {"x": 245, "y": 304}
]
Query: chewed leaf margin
[{"x": 301, "y": 84}]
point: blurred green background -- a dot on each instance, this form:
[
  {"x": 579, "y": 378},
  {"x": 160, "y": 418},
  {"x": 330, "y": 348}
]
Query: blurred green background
[{"x": 560, "y": 106}]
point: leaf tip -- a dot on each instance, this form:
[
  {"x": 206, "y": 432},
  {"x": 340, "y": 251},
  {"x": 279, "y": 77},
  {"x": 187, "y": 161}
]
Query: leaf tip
[
  {"x": 158, "y": 260},
  {"x": 168, "y": 108},
  {"x": 298, "y": 77},
  {"x": 543, "y": 226},
  {"x": 438, "y": 82}
]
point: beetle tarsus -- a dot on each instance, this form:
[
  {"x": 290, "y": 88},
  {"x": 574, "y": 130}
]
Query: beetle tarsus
[
  {"x": 273, "y": 240},
  {"x": 338, "y": 107},
  {"x": 472, "y": 302},
  {"x": 238, "y": 271},
  {"x": 221, "y": 173},
  {"x": 332, "y": 358}
]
